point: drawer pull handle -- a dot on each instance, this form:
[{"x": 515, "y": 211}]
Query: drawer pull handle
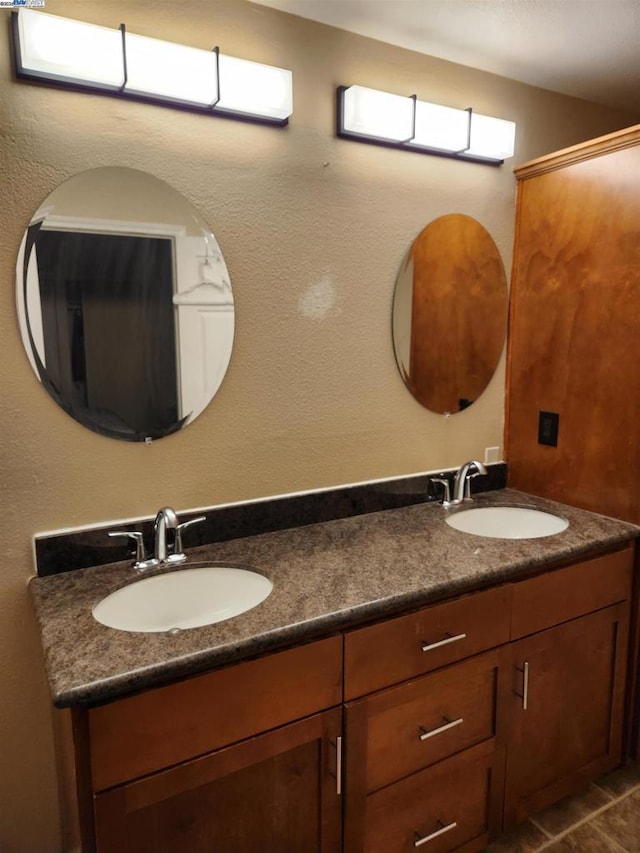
[
  {"x": 339, "y": 765},
  {"x": 524, "y": 669},
  {"x": 337, "y": 744},
  {"x": 426, "y": 647},
  {"x": 449, "y": 724},
  {"x": 422, "y": 839}
]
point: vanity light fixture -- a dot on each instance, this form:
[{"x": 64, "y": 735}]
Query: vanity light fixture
[
  {"x": 370, "y": 115},
  {"x": 72, "y": 53}
]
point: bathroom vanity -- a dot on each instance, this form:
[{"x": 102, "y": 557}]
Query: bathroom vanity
[
  {"x": 406, "y": 686},
  {"x": 537, "y": 677}
]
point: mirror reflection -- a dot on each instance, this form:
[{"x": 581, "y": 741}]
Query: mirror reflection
[
  {"x": 450, "y": 313},
  {"x": 125, "y": 304}
]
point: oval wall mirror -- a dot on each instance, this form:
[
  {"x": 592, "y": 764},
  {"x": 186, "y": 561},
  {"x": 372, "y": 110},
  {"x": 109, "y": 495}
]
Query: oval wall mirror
[
  {"x": 125, "y": 304},
  {"x": 450, "y": 313}
]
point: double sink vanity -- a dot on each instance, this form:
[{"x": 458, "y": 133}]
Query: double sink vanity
[{"x": 403, "y": 685}]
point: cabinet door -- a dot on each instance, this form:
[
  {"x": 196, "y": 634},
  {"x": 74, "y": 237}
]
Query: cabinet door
[
  {"x": 275, "y": 792},
  {"x": 566, "y": 708}
]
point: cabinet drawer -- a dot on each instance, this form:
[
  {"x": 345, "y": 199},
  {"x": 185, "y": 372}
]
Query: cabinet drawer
[
  {"x": 565, "y": 594},
  {"x": 156, "y": 729},
  {"x": 402, "y": 648},
  {"x": 455, "y": 803},
  {"x": 406, "y": 728}
]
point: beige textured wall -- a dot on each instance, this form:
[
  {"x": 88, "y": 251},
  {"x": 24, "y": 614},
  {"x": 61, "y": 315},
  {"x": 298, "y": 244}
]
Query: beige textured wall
[{"x": 313, "y": 230}]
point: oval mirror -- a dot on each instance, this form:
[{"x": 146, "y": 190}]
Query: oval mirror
[
  {"x": 124, "y": 303},
  {"x": 450, "y": 313}
]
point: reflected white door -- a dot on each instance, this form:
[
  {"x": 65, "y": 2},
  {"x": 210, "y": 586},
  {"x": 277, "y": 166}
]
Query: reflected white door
[{"x": 206, "y": 337}]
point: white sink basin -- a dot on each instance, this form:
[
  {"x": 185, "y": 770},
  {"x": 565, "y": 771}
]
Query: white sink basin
[
  {"x": 507, "y": 522},
  {"x": 186, "y": 598}
]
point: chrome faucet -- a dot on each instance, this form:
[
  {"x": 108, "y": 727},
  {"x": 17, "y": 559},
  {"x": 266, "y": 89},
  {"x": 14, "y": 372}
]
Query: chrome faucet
[
  {"x": 461, "y": 483},
  {"x": 166, "y": 519}
]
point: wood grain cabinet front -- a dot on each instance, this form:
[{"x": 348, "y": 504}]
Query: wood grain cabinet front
[
  {"x": 459, "y": 719},
  {"x": 409, "y": 727},
  {"x": 397, "y": 649},
  {"x": 240, "y": 760},
  {"x": 454, "y": 805},
  {"x": 565, "y": 709},
  {"x": 422, "y": 762},
  {"x": 164, "y": 726},
  {"x": 567, "y": 669},
  {"x": 447, "y": 759},
  {"x": 275, "y": 792}
]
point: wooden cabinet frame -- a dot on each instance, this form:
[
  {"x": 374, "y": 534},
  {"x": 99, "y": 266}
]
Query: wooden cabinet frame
[
  {"x": 544, "y": 620},
  {"x": 115, "y": 808},
  {"x": 564, "y": 708}
]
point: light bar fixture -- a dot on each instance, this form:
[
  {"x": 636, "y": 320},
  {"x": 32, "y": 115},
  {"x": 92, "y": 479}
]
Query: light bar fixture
[
  {"x": 170, "y": 72},
  {"x": 58, "y": 49},
  {"x": 395, "y": 121},
  {"x": 71, "y": 53}
]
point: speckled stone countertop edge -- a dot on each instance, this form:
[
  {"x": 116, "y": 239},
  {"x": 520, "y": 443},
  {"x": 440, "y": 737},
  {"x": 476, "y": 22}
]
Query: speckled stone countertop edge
[
  {"x": 277, "y": 639},
  {"x": 328, "y": 577}
]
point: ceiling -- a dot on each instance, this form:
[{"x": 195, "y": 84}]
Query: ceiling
[{"x": 586, "y": 48}]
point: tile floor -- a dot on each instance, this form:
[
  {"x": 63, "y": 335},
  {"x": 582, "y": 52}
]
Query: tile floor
[{"x": 605, "y": 818}]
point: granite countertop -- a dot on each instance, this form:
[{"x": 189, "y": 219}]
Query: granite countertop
[{"x": 326, "y": 577}]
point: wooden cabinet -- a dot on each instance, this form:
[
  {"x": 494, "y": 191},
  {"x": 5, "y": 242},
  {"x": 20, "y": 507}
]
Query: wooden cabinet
[
  {"x": 555, "y": 597},
  {"x": 567, "y": 674},
  {"x": 162, "y": 727},
  {"x": 240, "y": 760},
  {"x": 471, "y": 741},
  {"x": 422, "y": 760},
  {"x": 459, "y": 720},
  {"x": 424, "y": 765},
  {"x": 453, "y": 805},
  {"x": 277, "y": 791},
  {"x": 398, "y": 731},
  {"x": 433, "y": 637},
  {"x": 565, "y": 709}
]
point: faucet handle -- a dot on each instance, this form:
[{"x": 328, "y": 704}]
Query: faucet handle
[
  {"x": 178, "y": 555},
  {"x": 446, "y": 485},
  {"x": 141, "y": 561}
]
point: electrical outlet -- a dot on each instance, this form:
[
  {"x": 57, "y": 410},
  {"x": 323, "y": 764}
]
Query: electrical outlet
[
  {"x": 491, "y": 455},
  {"x": 548, "y": 424}
]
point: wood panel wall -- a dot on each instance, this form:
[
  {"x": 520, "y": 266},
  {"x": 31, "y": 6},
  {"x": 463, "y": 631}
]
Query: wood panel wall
[{"x": 574, "y": 342}]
